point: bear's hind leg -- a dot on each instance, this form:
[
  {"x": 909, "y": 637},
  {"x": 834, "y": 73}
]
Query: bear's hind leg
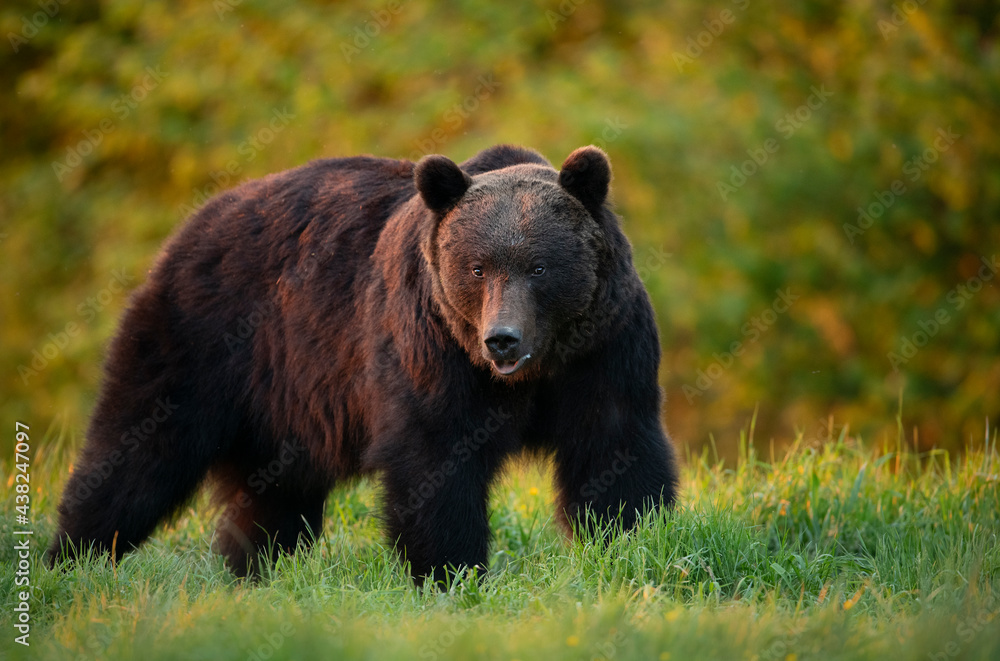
[
  {"x": 139, "y": 466},
  {"x": 256, "y": 524},
  {"x": 162, "y": 419}
]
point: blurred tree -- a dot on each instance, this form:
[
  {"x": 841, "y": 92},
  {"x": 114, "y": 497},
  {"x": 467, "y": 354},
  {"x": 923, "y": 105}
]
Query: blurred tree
[{"x": 812, "y": 190}]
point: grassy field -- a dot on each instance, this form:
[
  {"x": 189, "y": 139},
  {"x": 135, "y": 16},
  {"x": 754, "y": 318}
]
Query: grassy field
[{"x": 834, "y": 550}]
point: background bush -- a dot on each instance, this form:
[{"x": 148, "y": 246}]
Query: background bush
[{"x": 120, "y": 117}]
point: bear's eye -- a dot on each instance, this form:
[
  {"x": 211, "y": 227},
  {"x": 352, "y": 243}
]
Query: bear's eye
[
  {"x": 477, "y": 271},
  {"x": 540, "y": 269}
]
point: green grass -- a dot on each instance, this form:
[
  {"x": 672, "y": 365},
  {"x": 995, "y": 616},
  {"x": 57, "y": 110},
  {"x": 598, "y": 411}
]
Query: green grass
[{"x": 838, "y": 551}]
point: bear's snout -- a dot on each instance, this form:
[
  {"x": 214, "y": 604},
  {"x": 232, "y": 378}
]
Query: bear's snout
[
  {"x": 503, "y": 343},
  {"x": 505, "y": 349},
  {"x": 508, "y": 327}
]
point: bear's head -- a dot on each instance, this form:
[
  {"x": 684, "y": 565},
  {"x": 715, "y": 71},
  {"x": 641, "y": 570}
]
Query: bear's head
[{"x": 515, "y": 254}]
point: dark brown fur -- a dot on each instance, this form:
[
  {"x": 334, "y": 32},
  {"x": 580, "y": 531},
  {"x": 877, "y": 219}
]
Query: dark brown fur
[{"x": 323, "y": 322}]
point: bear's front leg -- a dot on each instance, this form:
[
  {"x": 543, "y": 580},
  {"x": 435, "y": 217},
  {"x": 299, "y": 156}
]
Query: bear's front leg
[
  {"x": 436, "y": 491},
  {"x": 612, "y": 456}
]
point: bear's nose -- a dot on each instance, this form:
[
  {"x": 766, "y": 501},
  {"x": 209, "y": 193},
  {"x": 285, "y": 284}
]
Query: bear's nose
[{"x": 503, "y": 342}]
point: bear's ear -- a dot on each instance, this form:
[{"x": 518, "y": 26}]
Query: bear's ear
[
  {"x": 440, "y": 182},
  {"x": 585, "y": 175}
]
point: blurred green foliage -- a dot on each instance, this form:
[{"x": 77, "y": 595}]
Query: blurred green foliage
[{"x": 744, "y": 136}]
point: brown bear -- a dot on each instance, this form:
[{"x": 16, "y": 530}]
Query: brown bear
[{"x": 421, "y": 321}]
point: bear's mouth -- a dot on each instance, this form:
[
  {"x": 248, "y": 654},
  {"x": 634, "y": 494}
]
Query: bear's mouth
[{"x": 508, "y": 367}]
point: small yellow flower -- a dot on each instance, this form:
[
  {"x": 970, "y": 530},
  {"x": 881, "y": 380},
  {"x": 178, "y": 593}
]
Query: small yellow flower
[
  {"x": 533, "y": 491},
  {"x": 849, "y": 604},
  {"x": 664, "y": 656},
  {"x": 572, "y": 641},
  {"x": 802, "y": 470},
  {"x": 791, "y": 657},
  {"x": 672, "y": 616}
]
